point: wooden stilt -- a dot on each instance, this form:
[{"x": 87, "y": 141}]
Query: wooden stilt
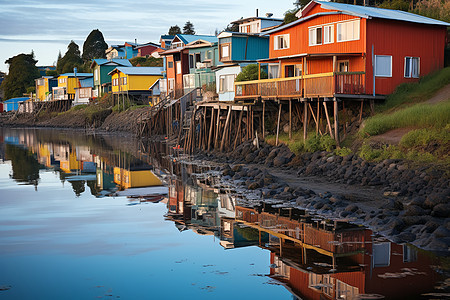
[
  {"x": 305, "y": 120},
  {"x": 216, "y": 141},
  {"x": 238, "y": 132},
  {"x": 211, "y": 128},
  {"x": 290, "y": 119},
  {"x": 318, "y": 117},
  {"x": 263, "y": 119},
  {"x": 278, "y": 123},
  {"x": 328, "y": 119},
  {"x": 336, "y": 122},
  {"x": 361, "y": 110},
  {"x": 225, "y": 129},
  {"x": 314, "y": 117}
]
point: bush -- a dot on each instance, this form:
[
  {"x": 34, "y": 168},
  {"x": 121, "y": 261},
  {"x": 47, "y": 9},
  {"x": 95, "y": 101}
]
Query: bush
[
  {"x": 319, "y": 143},
  {"x": 250, "y": 72},
  {"x": 343, "y": 151}
]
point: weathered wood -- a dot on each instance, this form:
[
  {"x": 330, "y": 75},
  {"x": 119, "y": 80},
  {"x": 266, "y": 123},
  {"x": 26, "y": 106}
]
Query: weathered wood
[
  {"x": 278, "y": 123},
  {"x": 216, "y": 141},
  {"x": 361, "y": 110},
  {"x": 211, "y": 128},
  {"x": 305, "y": 120},
  {"x": 225, "y": 129},
  {"x": 336, "y": 122},
  {"x": 290, "y": 119},
  {"x": 238, "y": 132},
  {"x": 328, "y": 119},
  {"x": 263, "y": 116},
  {"x": 318, "y": 118}
]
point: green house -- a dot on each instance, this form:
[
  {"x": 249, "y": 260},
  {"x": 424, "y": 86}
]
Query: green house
[{"x": 101, "y": 67}]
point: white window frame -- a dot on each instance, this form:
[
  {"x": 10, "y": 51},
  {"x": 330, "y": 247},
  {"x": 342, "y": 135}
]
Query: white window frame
[
  {"x": 313, "y": 36},
  {"x": 328, "y": 34},
  {"x": 342, "y": 34},
  {"x": 222, "y": 51},
  {"x": 224, "y": 83},
  {"x": 409, "y": 61},
  {"x": 178, "y": 67},
  {"x": 377, "y": 74},
  {"x": 270, "y": 66},
  {"x": 281, "y": 42}
]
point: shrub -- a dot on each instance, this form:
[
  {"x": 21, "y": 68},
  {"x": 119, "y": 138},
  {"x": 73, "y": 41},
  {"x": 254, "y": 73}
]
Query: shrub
[
  {"x": 343, "y": 151},
  {"x": 250, "y": 72}
]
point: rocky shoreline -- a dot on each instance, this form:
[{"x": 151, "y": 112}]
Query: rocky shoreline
[{"x": 413, "y": 207}]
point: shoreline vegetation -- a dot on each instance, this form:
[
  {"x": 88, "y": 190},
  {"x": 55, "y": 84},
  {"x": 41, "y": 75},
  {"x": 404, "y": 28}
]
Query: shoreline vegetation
[{"x": 403, "y": 178}]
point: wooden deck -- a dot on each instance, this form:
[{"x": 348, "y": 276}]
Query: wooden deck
[{"x": 323, "y": 85}]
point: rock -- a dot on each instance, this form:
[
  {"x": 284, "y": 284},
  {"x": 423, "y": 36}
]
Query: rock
[
  {"x": 419, "y": 201},
  {"x": 406, "y": 237},
  {"x": 414, "y": 210},
  {"x": 393, "y": 204},
  {"x": 351, "y": 208},
  {"x": 279, "y": 161},
  {"x": 441, "y": 211},
  {"x": 236, "y": 168},
  {"x": 253, "y": 186},
  {"x": 227, "y": 172},
  {"x": 434, "y": 199},
  {"x": 396, "y": 225},
  {"x": 441, "y": 231},
  {"x": 249, "y": 158}
]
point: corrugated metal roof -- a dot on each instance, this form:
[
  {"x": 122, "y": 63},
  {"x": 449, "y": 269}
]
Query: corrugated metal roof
[
  {"x": 14, "y": 100},
  {"x": 78, "y": 74},
  {"x": 382, "y": 13},
  {"x": 140, "y": 70},
  {"x": 119, "y": 61},
  {"x": 87, "y": 82},
  {"x": 189, "y": 38}
]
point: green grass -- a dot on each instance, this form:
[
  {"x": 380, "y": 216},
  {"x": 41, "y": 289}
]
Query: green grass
[
  {"x": 417, "y": 91},
  {"x": 419, "y": 115},
  {"x": 297, "y": 145}
]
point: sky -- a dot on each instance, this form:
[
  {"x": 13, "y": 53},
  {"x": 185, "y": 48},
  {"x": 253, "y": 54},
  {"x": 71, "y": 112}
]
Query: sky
[{"x": 47, "y": 26}]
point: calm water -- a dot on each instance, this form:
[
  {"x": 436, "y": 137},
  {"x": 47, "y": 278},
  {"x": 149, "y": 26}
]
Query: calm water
[{"x": 81, "y": 218}]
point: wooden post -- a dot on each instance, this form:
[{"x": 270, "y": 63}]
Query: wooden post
[
  {"x": 263, "y": 119},
  {"x": 336, "y": 122},
  {"x": 318, "y": 117},
  {"x": 278, "y": 123},
  {"x": 328, "y": 119},
  {"x": 361, "y": 110},
  {"x": 216, "y": 140},
  {"x": 290, "y": 119},
  {"x": 305, "y": 120},
  {"x": 314, "y": 117},
  {"x": 225, "y": 128},
  {"x": 211, "y": 128},
  {"x": 238, "y": 132}
]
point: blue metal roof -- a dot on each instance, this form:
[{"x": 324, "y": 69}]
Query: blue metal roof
[
  {"x": 87, "y": 82},
  {"x": 78, "y": 74},
  {"x": 189, "y": 38},
  {"x": 139, "y": 70},
  {"x": 15, "y": 100},
  {"x": 382, "y": 13},
  {"x": 118, "y": 61}
]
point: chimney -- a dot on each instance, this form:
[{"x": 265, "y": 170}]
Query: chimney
[
  {"x": 135, "y": 42},
  {"x": 256, "y": 12}
]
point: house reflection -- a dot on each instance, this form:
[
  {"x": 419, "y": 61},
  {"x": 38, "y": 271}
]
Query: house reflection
[{"x": 320, "y": 259}]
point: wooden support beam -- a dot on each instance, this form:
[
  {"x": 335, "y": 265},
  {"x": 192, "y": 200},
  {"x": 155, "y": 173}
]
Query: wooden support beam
[
  {"x": 238, "y": 132},
  {"x": 290, "y": 119},
  {"x": 318, "y": 118},
  {"x": 361, "y": 110},
  {"x": 211, "y": 128},
  {"x": 305, "y": 120},
  {"x": 216, "y": 140},
  {"x": 225, "y": 129},
  {"x": 328, "y": 119},
  {"x": 278, "y": 123},
  {"x": 336, "y": 122},
  {"x": 314, "y": 117},
  {"x": 263, "y": 119}
]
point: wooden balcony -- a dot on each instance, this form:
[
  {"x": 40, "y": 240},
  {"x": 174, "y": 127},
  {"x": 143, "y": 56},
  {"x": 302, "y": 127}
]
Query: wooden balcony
[{"x": 307, "y": 86}]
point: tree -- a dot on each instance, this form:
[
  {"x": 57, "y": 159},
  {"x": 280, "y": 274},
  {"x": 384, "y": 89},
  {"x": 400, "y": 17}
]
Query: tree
[
  {"x": 71, "y": 59},
  {"x": 289, "y": 16},
  {"x": 173, "y": 30},
  {"x": 94, "y": 46},
  {"x": 395, "y": 4},
  {"x": 232, "y": 27},
  {"x": 21, "y": 75},
  {"x": 250, "y": 72},
  {"x": 188, "y": 28}
]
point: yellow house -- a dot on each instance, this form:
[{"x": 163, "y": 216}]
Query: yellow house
[
  {"x": 135, "y": 81},
  {"x": 133, "y": 178},
  {"x": 44, "y": 86},
  {"x": 67, "y": 83}
]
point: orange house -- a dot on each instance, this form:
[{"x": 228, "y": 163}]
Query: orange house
[{"x": 342, "y": 50}]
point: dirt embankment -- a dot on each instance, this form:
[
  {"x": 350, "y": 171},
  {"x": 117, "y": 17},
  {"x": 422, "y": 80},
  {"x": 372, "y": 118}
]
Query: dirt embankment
[{"x": 102, "y": 120}]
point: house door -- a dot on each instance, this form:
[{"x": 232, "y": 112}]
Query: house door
[
  {"x": 289, "y": 71},
  {"x": 343, "y": 66},
  {"x": 274, "y": 71}
]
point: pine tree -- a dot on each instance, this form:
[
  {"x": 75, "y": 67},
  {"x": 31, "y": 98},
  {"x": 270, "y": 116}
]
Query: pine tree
[
  {"x": 173, "y": 30},
  {"x": 71, "y": 59},
  {"x": 94, "y": 46},
  {"x": 188, "y": 28},
  {"x": 21, "y": 75}
]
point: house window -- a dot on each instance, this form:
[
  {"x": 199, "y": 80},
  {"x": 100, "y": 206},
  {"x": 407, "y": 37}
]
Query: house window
[
  {"x": 178, "y": 67},
  {"x": 298, "y": 70},
  {"x": 315, "y": 36},
  {"x": 170, "y": 63},
  {"x": 383, "y": 65},
  {"x": 343, "y": 66},
  {"x": 225, "y": 51},
  {"x": 328, "y": 34},
  {"x": 274, "y": 71},
  {"x": 412, "y": 67},
  {"x": 281, "y": 42},
  {"x": 191, "y": 61},
  {"x": 198, "y": 58},
  {"x": 96, "y": 74},
  {"x": 289, "y": 71},
  {"x": 171, "y": 84},
  {"x": 226, "y": 83},
  {"x": 348, "y": 31},
  {"x": 123, "y": 80}
]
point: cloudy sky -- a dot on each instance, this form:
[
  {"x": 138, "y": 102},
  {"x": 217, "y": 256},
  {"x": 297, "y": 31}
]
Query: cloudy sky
[{"x": 47, "y": 26}]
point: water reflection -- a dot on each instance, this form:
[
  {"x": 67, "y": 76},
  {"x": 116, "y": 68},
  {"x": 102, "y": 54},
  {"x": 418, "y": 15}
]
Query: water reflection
[{"x": 313, "y": 258}]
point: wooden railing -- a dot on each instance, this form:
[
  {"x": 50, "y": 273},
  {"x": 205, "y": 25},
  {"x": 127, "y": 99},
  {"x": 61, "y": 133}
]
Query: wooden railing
[{"x": 315, "y": 85}]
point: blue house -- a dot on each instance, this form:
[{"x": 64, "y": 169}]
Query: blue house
[
  {"x": 13, "y": 103},
  {"x": 125, "y": 51}
]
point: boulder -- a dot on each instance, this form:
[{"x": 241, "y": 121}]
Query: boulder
[{"x": 441, "y": 211}]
